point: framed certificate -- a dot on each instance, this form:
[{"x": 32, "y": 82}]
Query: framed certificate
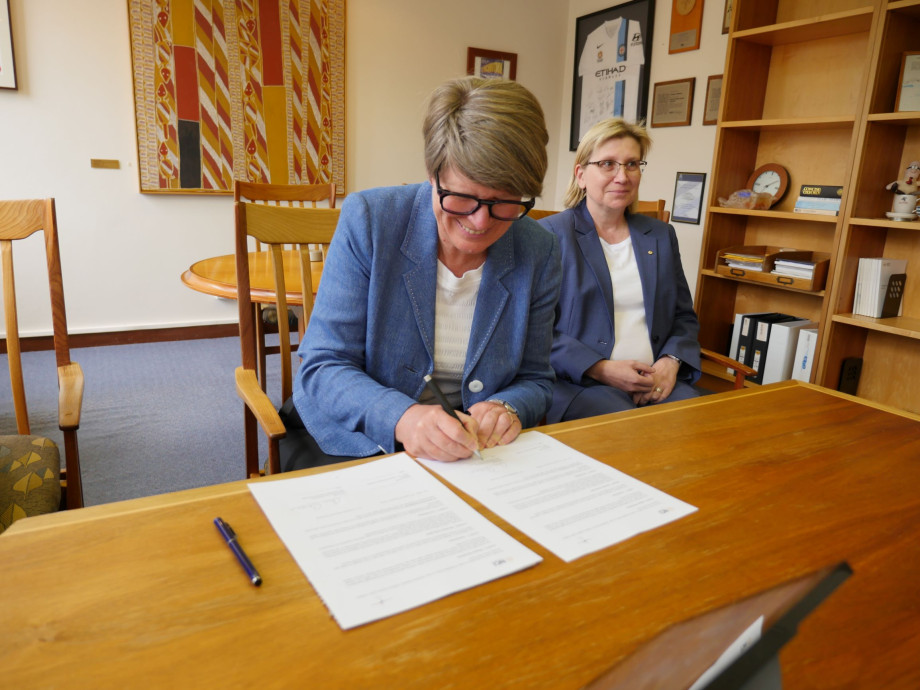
[
  {"x": 688, "y": 197},
  {"x": 686, "y": 23},
  {"x": 491, "y": 64},
  {"x": 713, "y": 96},
  {"x": 909, "y": 83},
  {"x": 672, "y": 102}
]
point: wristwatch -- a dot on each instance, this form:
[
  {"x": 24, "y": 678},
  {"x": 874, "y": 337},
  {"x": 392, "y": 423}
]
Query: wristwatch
[{"x": 508, "y": 406}]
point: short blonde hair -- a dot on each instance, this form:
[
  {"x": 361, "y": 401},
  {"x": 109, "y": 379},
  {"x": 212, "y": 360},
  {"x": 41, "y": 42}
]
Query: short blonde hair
[
  {"x": 490, "y": 130},
  {"x": 598, "y": 135}
]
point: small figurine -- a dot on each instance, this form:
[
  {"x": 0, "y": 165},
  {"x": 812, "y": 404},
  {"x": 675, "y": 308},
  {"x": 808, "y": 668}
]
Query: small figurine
[{"x": 911, "y": 182}]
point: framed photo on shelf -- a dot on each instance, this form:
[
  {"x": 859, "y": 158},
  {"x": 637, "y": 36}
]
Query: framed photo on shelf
[
  {"x": 672, "y": 102},
  {"x": 613, "y": 56},
  {"x": 686, "y": 25},
  {"x": 491, "y": 64},
  {"x": 688, "y": 197},
  {"x": 713, "y": 96},
  {"x": 909, "y": 83},
  {"x": 7, "y": 62}
]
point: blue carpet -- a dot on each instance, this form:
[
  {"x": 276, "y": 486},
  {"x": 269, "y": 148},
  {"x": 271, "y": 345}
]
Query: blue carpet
[{"x": 157, "y": 417}]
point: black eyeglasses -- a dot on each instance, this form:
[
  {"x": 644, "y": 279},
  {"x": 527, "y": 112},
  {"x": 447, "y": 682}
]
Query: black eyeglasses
[
  {"x": 613, "y": 167},
  {"x": 466, "y": 204}
]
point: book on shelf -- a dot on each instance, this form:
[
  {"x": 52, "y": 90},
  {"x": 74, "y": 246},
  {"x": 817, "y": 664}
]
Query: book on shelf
[
  {"x": 784, "y": 339},
  {"x": 804, "y": 354},
  {"x": 820, "y": 199},
  {"x": 796, "y": 268},
  {"x": 879, "y": 287}
]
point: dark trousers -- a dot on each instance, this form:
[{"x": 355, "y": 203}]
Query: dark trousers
[{"x": 299, "y": 450}]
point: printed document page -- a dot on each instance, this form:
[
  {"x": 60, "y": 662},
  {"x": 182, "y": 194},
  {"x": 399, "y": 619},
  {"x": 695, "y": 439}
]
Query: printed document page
[
  {"x": 385, "y": 537},
  {"x": 570, "y": 503}
]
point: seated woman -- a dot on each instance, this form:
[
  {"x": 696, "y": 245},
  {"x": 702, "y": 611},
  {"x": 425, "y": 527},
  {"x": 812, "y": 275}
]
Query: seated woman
[
  {"x": 625, "y": 332},
  {"x": 447, "y": 278}
]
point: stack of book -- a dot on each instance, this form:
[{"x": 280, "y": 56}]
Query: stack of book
[
  {"x": 879, "y": 287},
  {"x": 795, "y": 268},
  {"x": 820, "y": 199}
]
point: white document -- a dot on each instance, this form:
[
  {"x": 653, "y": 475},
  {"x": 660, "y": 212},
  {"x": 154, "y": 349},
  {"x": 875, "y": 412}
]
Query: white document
[
  {"x": 570, "y": 503},
  {"x": 385, "y": 537}
]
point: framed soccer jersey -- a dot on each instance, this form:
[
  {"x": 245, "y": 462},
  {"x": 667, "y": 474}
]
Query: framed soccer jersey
[{"x": 613, "y": 51}]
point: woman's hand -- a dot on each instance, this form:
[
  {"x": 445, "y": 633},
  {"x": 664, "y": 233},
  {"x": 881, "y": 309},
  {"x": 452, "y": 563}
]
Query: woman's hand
[
  {"x": 497, "y": 425},
  {"x": 628, "y": 375},
  {"x": 427, "y": 431},
  {"x": 663, "y": 377}
]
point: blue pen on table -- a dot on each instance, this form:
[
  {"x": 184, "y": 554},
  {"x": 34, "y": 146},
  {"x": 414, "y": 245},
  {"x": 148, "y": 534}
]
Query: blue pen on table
[
  {"x": 433, "y": 387},
  {"x": 229, "y": 536}
]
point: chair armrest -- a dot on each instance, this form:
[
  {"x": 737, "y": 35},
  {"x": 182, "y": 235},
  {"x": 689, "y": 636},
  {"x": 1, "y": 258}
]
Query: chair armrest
[
  {"x": 70, "y": 395},
  {"x": 250, "y": 391},
  {"x": 741, "y": 370}
]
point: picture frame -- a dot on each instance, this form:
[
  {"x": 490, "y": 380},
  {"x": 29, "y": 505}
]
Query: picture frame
[
  {"x": 908, "y": 98},
  {"x": 713, "y": 97},
  {"x": 727, "y": 17},
  {"x": 7, "y": 59},
  {"x": 672, "y": 102},
  {"x": 623, "y": 58},
  {"x": 686, "y": 25},
  {"x": 687, "y": 206},
  {"x": 279, "y": 119},
  {"x": 491, "y": 64}
]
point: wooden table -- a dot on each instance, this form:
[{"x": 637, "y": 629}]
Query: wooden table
[
  {"x": 788, "y": 478},
  {"x": 217, "y": 276}
]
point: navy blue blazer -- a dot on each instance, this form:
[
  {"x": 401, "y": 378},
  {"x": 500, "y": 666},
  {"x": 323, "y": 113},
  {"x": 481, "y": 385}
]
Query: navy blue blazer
[
  {"x": 584, "y": 332},
  {"x": 370, "y": 339}
]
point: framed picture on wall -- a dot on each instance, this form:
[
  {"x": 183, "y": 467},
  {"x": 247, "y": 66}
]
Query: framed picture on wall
[
  {"x": 7, "y": 63},
  {"x": 713, "y": 96},
  {"x": 491, "y": 64},
  {"x": 688, "y": 197},
  {"x": 672, "y": 102},
  {"x": 613, "y": 56}
]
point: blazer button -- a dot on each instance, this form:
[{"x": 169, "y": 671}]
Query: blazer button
[{"x": 475, "y": 386}]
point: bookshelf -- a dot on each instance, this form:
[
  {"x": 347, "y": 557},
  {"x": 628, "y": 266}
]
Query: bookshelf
[
  {"x": 811, "y": 85},
  {"x": 887, "y": 142}
]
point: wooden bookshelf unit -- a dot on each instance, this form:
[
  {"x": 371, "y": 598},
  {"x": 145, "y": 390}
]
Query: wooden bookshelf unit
[{"x": 811, "y": 85}]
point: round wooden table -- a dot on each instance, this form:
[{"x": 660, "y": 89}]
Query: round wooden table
[{"x": 217, "y": 276}]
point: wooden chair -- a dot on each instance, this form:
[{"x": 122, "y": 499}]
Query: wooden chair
[
  {"x": 275, "y": 227},
  {"x": 285, "y": 195},
  {"x": 657, "y": 210},
  {"x": 24, "y": 453}
]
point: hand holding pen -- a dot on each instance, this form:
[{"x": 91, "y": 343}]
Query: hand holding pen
[{"x": 425, "y": 432}]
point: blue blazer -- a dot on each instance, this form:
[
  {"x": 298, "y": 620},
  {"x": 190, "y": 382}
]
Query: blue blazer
[
  {"x": 370, "y": 339},
  {"x": 584, "y": 332}
]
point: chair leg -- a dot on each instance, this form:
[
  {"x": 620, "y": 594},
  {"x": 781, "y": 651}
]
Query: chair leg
[
  {"x": 250, "y": 443},
  {"x": 260, "y": 344},
  {"x": 74, "y": 490}
]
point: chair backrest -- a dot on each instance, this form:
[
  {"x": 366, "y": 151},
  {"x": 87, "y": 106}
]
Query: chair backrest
[
  {"x": 276, "y": 227},
  {"x": 537, "y": 213},
  {"x": 655, "y": 209},
  {"x": 19, "y": 220},
  {"x": 291, "y": 195}
]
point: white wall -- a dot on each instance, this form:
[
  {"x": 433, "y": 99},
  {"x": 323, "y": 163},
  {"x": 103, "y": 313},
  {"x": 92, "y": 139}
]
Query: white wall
[{"x": 123, "y": 251}]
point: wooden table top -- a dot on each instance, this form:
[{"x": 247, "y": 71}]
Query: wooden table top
[
  {"x": 217, "y": 276},
  {"x": 787, "y": 479}
]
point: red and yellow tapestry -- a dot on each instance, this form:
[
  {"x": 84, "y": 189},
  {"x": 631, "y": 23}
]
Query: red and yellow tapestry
[{"x": 238, "y": 89}]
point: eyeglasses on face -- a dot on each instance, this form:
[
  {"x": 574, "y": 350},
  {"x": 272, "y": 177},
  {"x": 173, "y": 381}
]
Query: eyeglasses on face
[
  {"x": 466, "y": 204},
  {"x": 613, "y": 167}
]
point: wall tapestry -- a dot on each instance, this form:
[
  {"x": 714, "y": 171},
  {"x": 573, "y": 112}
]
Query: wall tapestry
[{"x": 238, "y": 89}]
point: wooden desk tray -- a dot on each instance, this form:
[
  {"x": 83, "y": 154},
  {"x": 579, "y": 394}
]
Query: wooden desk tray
[{"x": 770, "y": 255}]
